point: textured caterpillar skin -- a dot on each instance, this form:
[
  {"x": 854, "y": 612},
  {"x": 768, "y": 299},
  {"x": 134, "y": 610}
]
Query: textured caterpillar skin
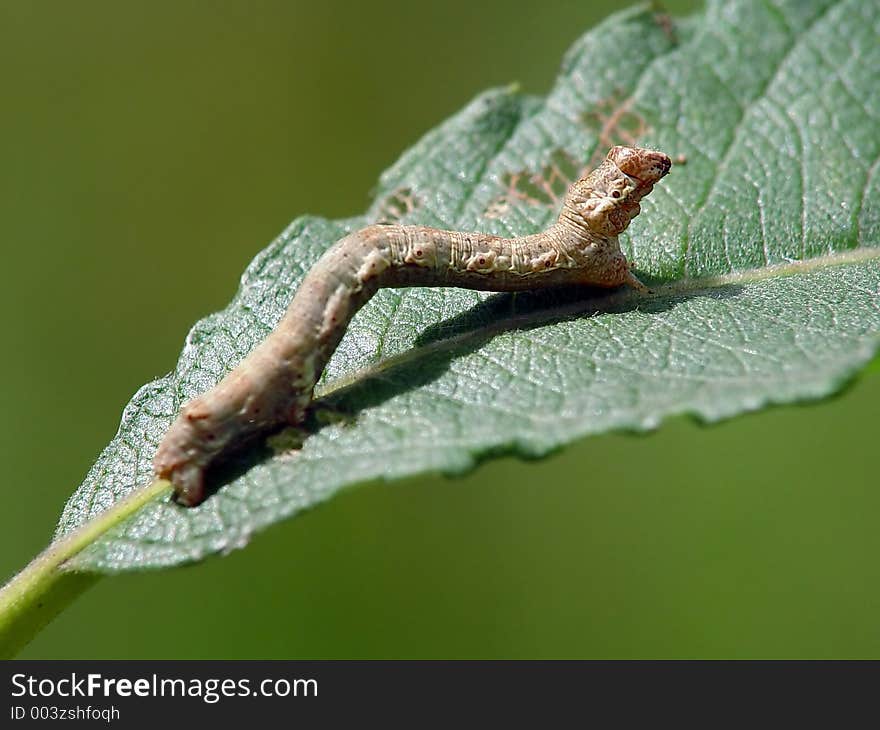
[{"x": 274, "y": 384}]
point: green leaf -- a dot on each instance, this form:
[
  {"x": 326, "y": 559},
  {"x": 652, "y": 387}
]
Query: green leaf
[{"x": 762, "y": 250}]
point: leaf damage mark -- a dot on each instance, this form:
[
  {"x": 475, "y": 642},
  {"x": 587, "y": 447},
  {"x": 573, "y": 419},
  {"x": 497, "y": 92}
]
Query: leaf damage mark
[
  {"x": 612, "y": 120},
  {"x": 543, "y": 188},
  {"x": 397, "y": 206},
  {"x": 666, "y": 23}
]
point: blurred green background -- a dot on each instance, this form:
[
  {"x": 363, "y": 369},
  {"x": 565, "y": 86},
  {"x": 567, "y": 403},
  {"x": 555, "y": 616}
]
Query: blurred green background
[{"x": 149, "y": 149}]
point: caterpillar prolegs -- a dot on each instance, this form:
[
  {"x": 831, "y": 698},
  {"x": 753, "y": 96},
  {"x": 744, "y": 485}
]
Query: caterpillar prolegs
[{"x": 273, "y": 385}]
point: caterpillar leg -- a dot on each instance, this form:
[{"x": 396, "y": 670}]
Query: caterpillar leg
[
  {"x": 181, "y": 460},
  {"x": 189, "y": 484},
  {"x": 633, "y": 281}
]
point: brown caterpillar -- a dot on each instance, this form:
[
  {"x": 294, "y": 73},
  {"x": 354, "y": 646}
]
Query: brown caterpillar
[{"x": 273, "y": 385}]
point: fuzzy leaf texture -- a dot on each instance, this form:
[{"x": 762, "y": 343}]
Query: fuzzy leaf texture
[{"x": 762, "y": 251}]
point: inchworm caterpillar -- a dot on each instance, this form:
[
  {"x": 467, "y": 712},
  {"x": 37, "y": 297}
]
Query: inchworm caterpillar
[{"x": 274, "y": 384}]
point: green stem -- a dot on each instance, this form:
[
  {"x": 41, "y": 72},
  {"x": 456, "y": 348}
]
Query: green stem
[{"x": 33, "y": 597}]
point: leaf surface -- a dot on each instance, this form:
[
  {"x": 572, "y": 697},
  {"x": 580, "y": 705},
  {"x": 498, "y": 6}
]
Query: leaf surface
[{"x": 762, "y": 251}]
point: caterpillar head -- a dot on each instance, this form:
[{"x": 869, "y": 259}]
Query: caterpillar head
[{"x": 607, "y": 199}]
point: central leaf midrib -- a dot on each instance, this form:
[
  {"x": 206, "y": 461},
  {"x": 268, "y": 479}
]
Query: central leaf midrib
[{"x": 612, "y": 302}]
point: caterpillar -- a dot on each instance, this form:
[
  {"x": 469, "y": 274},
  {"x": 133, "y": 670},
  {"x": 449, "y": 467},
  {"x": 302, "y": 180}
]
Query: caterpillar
[{"x": 273, "y": 385}]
